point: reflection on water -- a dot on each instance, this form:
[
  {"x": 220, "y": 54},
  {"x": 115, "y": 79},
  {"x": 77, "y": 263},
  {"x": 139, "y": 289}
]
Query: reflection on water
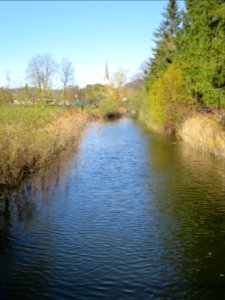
[
  {"x": 189, "y": 197},
  {"x": 130, "y": 215}
]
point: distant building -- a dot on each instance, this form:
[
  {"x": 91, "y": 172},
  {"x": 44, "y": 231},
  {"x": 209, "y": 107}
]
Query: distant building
[{"x": 106, "y": 75}]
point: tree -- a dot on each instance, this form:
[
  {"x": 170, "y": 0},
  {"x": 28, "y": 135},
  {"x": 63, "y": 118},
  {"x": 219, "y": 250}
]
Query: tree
[
  {"x": 118, "y": 90},
  {"x": 8, "y": 79},
  {"x": 119, "y": 78},
  {"x": 202, "y": 47},
  {"x": 66, "y": 74},
  {"x": 92, "y": 94},
  {"x": 166, "y": 46},
  {"x": 40, "y": 71},
  {"x": 188, "y": 64}
]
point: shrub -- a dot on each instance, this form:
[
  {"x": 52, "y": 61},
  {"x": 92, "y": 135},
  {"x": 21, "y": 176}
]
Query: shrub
[
  {"x": 136, "y": 100},
  {"x": 109, "y": 106}
]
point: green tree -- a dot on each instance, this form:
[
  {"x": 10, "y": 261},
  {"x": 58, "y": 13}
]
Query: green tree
[
  {"x": 166, "y": 46},
  {"x": 92, "y": 94},
  {"x": 202, "y": 45}
]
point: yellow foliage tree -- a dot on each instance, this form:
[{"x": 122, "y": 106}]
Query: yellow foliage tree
[
  {"x": 111, "y": 93},
  {"x": 168, "y": 96}
]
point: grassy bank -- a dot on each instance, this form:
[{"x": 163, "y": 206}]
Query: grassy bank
[{"x": 33, "y": 135}]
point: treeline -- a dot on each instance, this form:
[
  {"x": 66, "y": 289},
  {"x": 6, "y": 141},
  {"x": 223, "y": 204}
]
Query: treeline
[
  {"x": 187, "y": 69},
  {"x": 41, "y": 74}
]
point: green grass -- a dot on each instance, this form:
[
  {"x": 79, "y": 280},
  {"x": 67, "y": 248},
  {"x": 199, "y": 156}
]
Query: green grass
[{"x": 27, "y": 115}]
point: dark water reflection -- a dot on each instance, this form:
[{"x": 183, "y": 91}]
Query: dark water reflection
[{"x": 130, "y": 215}]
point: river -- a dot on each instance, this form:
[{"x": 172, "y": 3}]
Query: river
[{"x": 128, "y": 215}]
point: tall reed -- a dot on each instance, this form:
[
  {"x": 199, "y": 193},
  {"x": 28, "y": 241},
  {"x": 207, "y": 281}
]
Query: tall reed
[{"x": 30, "y": 136}]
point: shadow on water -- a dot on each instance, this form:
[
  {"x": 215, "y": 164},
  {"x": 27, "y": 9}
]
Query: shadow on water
[
  {"x": 128, "y": 215},
  {"x": 188, "y": 189}
]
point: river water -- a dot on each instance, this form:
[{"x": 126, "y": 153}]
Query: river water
[{"x": 128, "y": 215}]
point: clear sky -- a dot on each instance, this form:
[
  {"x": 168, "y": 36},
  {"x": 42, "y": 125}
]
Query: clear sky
[{"x": 85, "y": 32}]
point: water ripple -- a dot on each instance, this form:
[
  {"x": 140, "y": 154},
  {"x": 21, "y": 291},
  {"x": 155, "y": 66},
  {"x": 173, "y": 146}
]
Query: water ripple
[{"x": 130, "y": 215}]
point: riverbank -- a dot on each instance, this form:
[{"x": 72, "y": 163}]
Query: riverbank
[
  {"x": 130, "y": 206},
  {"x": 33, "y": 136},
  {"x": 151, "y": 125},
  {"x": 202, "y": 131}
]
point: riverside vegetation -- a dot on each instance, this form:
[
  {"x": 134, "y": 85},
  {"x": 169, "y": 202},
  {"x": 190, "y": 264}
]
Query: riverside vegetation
[
  {"x": 37, "y": 121},
  {"x": 185, "y": 78},
  {"x": 31, "y": 136},
  {"x": 184, "y": 92}
]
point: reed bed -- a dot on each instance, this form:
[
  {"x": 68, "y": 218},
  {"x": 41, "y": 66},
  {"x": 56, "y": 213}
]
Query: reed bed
[
  {"x": 31, "y": 136},
  {"x": 204, "y": 132}
]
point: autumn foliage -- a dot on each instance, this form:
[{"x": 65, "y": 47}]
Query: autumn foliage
[{"x": 168, "y": 96}]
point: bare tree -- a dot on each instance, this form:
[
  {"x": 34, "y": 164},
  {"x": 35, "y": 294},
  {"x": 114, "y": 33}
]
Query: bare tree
[
  {"x": 8, "y": 79},
  {"x": 40, "y": 70},
  {"x": 66, "y": 74},
  {"x": 119, "y": 78}
]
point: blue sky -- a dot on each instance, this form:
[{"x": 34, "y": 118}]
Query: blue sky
[{"x": 85, "y": 32}]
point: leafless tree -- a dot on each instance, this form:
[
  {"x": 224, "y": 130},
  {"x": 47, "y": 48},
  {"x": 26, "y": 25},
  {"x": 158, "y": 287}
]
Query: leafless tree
[
  {"x": 66, "y": 73},
  {"x": 119, "y": 78},
  {"x": 40, "y": 70},
  {"x": 8, "y": 79}
]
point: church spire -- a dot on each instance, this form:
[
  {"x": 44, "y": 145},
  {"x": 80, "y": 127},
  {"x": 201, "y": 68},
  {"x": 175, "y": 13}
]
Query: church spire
[{"x": 106, "y": 75}]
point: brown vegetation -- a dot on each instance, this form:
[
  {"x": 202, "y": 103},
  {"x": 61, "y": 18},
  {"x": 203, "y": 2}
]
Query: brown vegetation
[
  {"x": 204, "y": 132},
  {"x": 32, "y": 136}
]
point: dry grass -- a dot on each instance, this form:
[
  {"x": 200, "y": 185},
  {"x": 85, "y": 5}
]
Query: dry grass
[
  {"x": 205, "y": 133},
  {"x": 31, "y": 136}
]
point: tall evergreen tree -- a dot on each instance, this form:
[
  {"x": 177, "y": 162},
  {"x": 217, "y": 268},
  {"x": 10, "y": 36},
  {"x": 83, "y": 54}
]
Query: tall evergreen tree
[
  {"x": 202, "y": 46},
  {"x": 165, "y": 41}
]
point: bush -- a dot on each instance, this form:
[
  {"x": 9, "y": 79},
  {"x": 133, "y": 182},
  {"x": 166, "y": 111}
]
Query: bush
[
  {"x": 109, "y": 106},
  {"x": 136, "y": 100},
  {"x": 5, "y": 96}
]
